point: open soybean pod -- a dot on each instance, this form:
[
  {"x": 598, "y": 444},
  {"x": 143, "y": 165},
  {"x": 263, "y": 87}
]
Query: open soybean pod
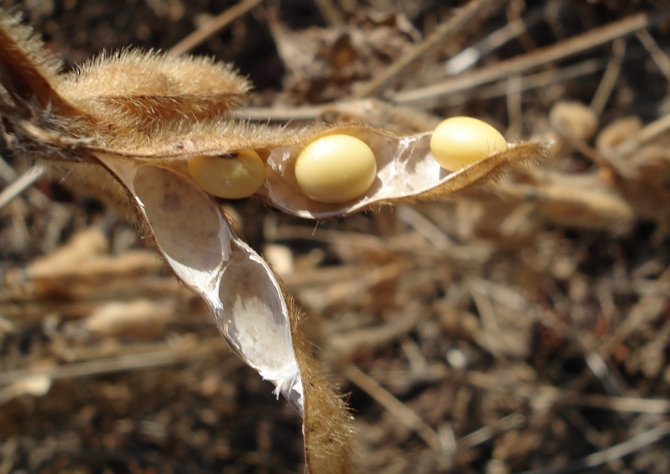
[
  {"x": 255, "y": 316},
  {"x": 406, "y": 169},
  {"x": 137, "y": 139}
]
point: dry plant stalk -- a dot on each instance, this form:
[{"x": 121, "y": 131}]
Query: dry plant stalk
[{"x": 128, "y": 123}]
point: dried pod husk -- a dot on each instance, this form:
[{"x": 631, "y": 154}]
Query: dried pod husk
[
  {"x": 574, "y": 120},
  {"x": 617, "y": 133}
]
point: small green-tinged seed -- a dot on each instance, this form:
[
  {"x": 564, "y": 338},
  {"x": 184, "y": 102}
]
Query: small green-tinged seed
[{"x": 230, "y": 177}]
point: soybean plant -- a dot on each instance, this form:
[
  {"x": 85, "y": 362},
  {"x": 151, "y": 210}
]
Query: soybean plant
[{"x": 163, "y": 147}]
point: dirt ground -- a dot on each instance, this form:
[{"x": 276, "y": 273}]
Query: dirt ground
[{"x": 523, "y": 326}]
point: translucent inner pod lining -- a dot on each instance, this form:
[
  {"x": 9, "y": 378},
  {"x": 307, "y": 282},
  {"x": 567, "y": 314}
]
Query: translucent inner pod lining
[
  {"x": 192, "y": 234},
  {"x": 254, "y": 317},
  {"x": 406, "y": 169}
]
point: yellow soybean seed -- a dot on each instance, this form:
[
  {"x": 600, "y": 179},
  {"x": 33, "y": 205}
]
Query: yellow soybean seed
[
  {"x": 236, "y": 176},
  {"x": 335, "y": 168},
  {"x": 459, "y": 141}
]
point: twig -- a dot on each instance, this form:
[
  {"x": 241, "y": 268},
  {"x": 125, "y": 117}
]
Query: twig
[
  {"x": 644, "y": 135},
  {"x": 482, "y": 302},
  {"x": 566, "y": 48},
  {"x": 591, "y": 153},
  {"x": 564, "y": 396},
  {"x": 426, "y": 228},
  {"x": 329, "y": 12},
  {"x": 660, "y": 58},
  {"x": 470, "y": 56},
  {"x": 645, "y": 310},
  {"x": 212, "y": 27},
  {"x": 344, "y": 346},
  {"x": 513, "y": 12},
  {"x": 542, "y": 79},
  {"x": 406, "y": 416},
  {"x": 7, "y": 173},
  {"x": 610, "y": 77},
  {"x": 482, "y": 435},
  {"x": 164, "y": 356},
  {"x": 447, "y": 248},
  {"x": 514, "y": 107},
  {"x": 592, "y": 435},
  {"x": 21, "y": 184},
  {"x": 474, "y": 10},
  {"x": 602, "y": 371},
  {"x": 606, "y": 455}
]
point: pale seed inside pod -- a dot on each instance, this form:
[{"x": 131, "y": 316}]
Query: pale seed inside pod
[
  {"x": 234, "y": 176},
  {"x": 460, "y": 141},
  {"x": 335, "y": 168}
]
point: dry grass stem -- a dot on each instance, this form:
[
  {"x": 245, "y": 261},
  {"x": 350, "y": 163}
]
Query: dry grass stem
[
  {"x": 607, "y": 455},
  {"x": 393, "y": 405},
  {"x": 20, "y": 184},
  {"x": 546, "y": 55},
  {"x": 474, "y": 10},
  {"x": 610, "y": 76},
  {"x": 471, "y": 55},
  {"x": 212, "y": 27},
  {"x": 657, "y": 54}
]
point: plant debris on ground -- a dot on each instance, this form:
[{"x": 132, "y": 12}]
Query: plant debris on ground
[{"x": 521, "y": 326}]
